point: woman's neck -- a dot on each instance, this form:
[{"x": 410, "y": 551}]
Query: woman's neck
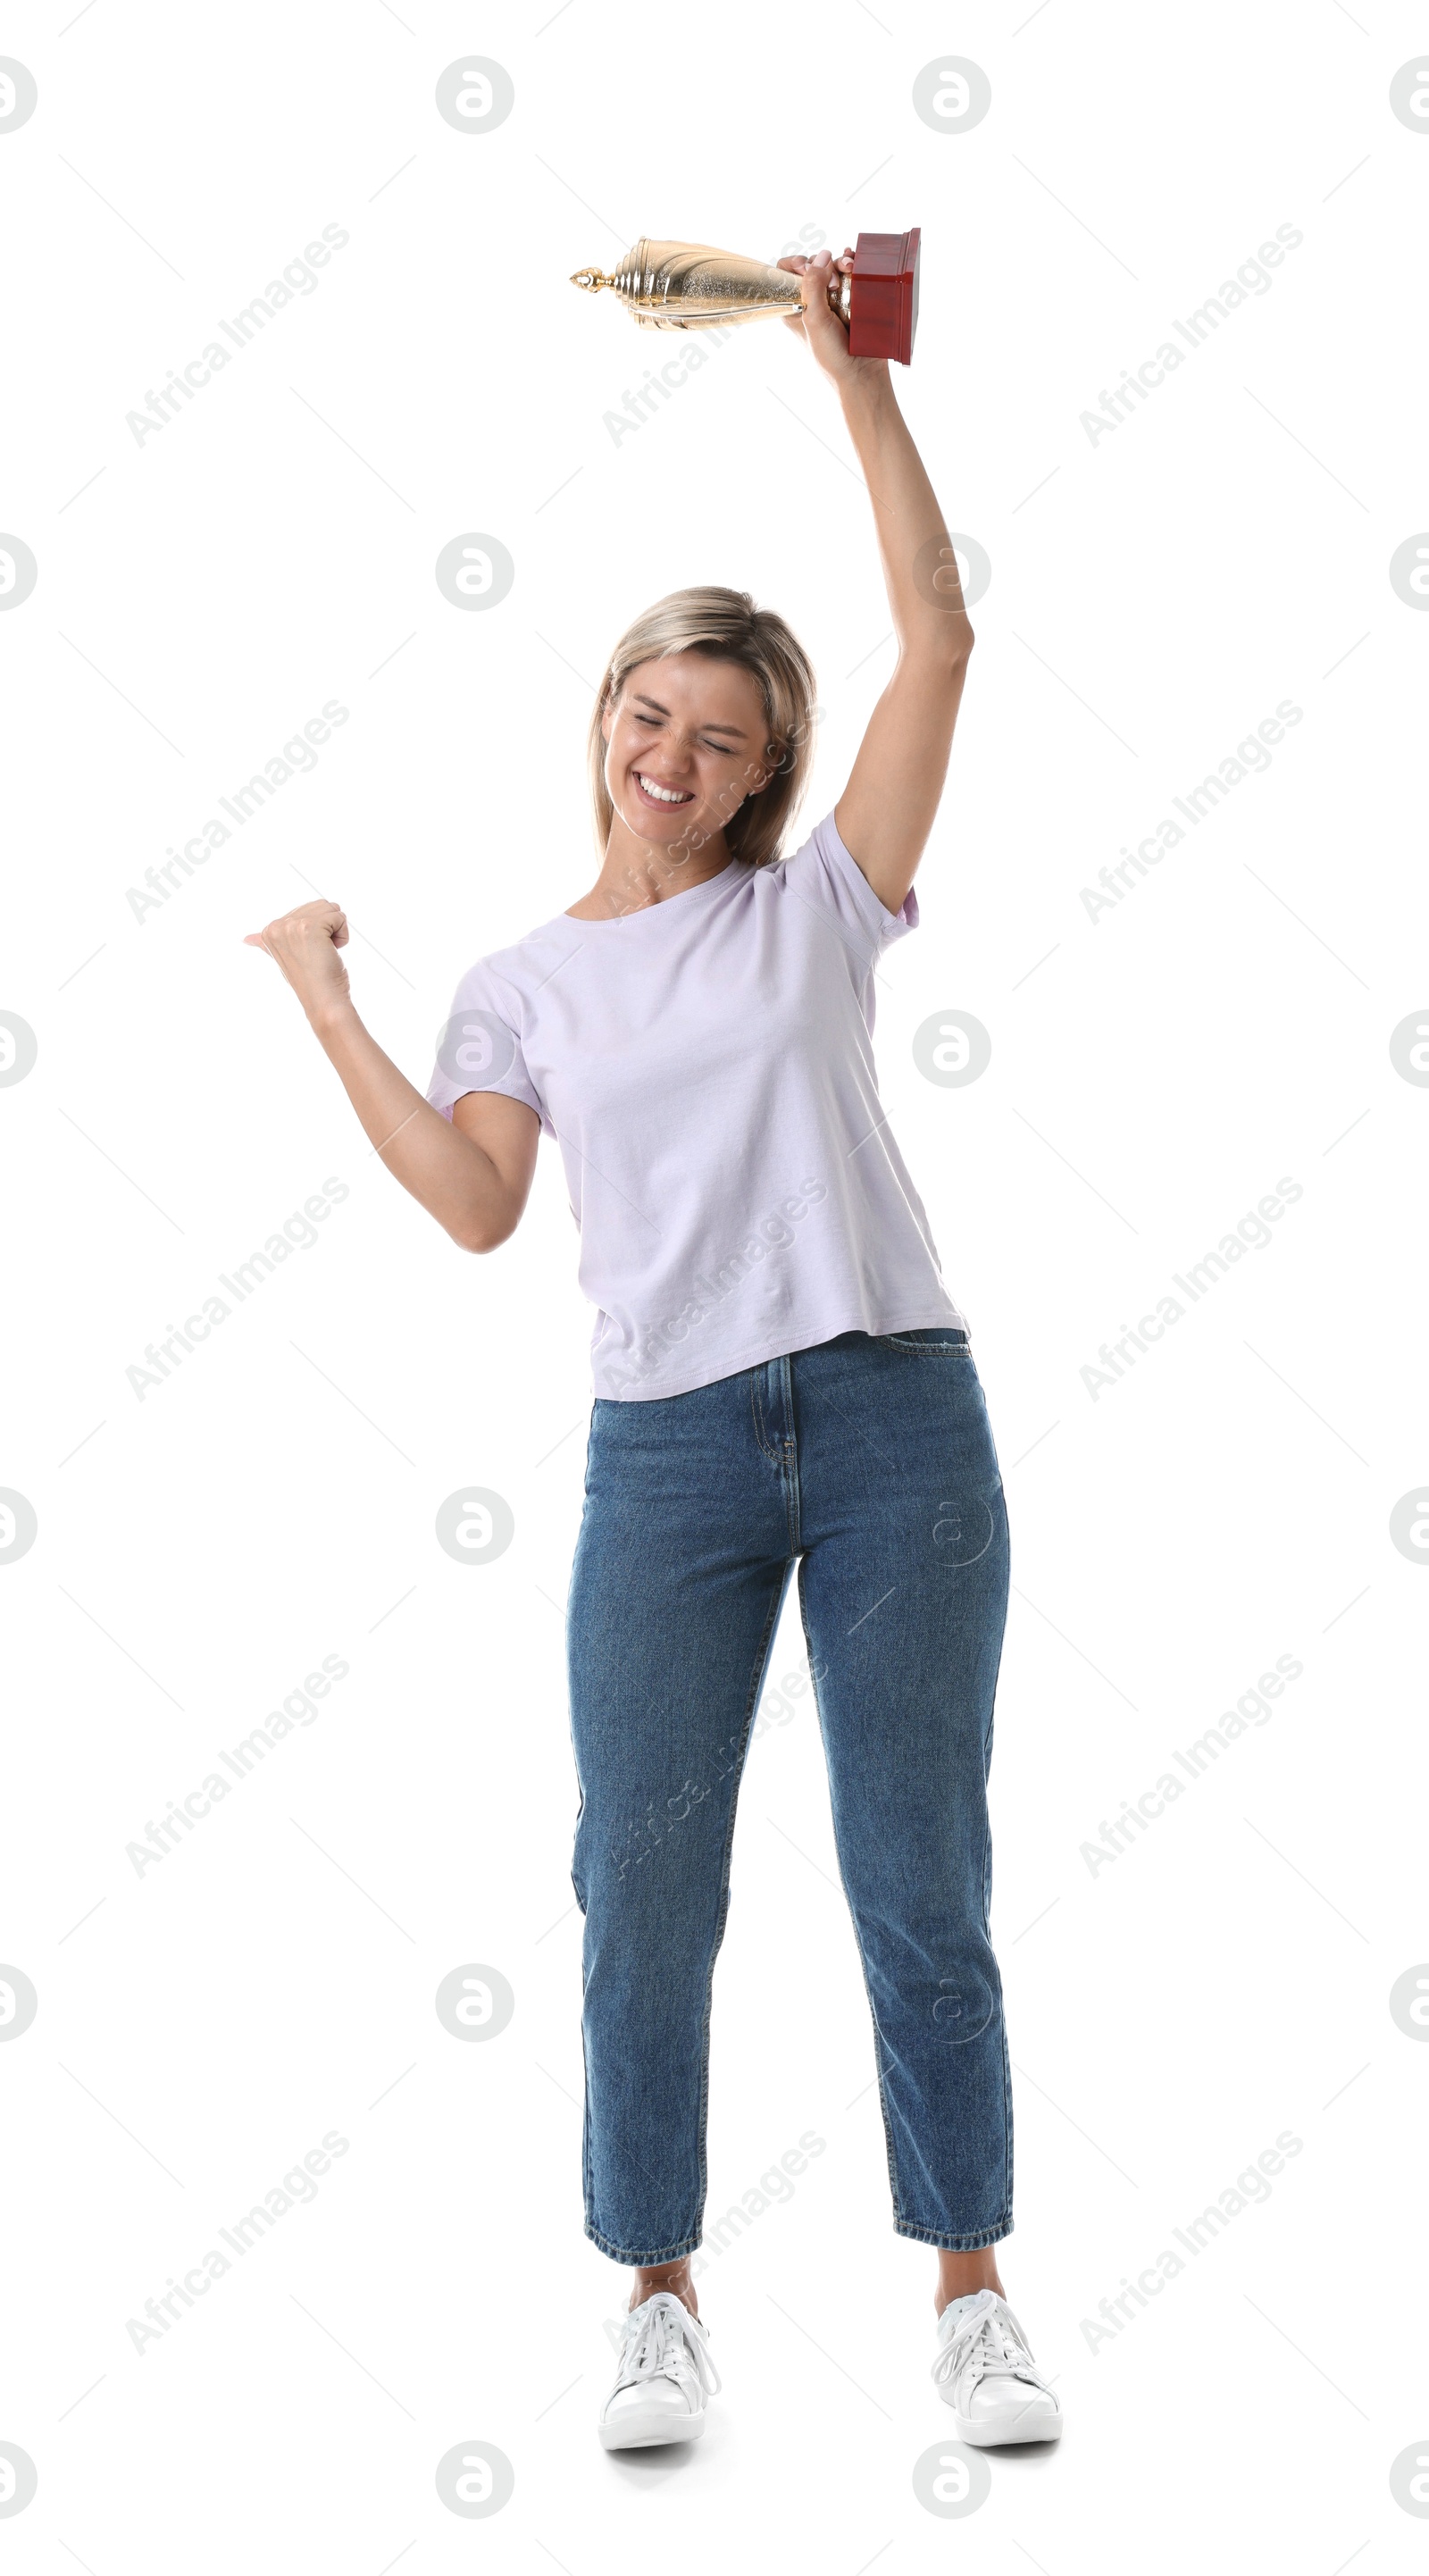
[{"x": 636, "y": 873}]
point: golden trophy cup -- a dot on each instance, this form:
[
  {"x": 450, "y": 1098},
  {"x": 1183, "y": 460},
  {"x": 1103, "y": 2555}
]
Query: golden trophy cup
[{"x": 687, "y": 286}]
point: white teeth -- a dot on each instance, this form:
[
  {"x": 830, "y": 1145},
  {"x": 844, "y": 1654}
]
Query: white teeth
[{"x": 666, "y": 795}]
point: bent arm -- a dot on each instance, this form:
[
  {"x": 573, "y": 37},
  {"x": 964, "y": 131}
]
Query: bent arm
[
  {"x": 474, "y": 1174},
  {"x": 886, "y": 811}
]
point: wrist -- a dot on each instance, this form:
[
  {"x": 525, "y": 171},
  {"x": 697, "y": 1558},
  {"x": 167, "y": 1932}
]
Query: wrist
[
  {"x": 870, "y": 410},
  {"x": 331, "y": 1016},
  {"x": 866, "y": 391}
]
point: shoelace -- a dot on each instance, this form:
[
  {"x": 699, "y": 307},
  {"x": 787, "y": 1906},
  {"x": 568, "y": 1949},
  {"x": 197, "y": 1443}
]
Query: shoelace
[
  {"x": 989, "y": 2338},
  {"x": 661, "y": 2343}
]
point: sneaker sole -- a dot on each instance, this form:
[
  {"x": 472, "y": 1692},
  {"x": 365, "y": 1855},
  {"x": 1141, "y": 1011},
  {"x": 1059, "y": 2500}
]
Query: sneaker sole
[
  {"x": 640, "y": 2431},
  {"x": 1010, "y": 2424}
]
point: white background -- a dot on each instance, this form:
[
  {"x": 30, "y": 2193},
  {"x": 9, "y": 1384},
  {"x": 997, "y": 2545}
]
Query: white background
[{"x": 1154, "y": 1072}]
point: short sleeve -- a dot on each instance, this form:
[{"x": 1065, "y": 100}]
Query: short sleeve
[
  {"x": 823, "y": 873},
  {"x": 479, "y": 1046}
]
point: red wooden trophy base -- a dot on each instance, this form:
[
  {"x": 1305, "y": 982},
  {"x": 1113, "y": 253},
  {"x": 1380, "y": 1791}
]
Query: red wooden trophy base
[{"x": 883, "y": 298}]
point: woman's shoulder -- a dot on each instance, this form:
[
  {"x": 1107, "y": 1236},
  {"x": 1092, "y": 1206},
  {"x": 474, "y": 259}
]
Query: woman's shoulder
[
  {"x": 807, "y": 849},
  {"x": 825, "y": 874},
  {"x": 525, "y": 964}
]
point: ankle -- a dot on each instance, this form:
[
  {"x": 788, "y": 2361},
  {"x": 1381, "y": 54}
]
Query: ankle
[
  {"x": 960, "y": 2276},
  {"x": 674, "y": 2277}
]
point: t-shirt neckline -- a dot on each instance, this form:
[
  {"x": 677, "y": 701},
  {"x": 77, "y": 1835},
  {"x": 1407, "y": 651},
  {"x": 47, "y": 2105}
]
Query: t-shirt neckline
[{"x": 686, "y": 895}]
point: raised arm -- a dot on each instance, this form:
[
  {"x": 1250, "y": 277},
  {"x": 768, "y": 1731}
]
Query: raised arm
[
  {"x": 474, "y": 1175},
  {"x": 886, "y": 811}
]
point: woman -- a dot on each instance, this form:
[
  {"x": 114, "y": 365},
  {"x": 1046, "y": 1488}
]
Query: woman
[{"x": 780, "y": 1376}]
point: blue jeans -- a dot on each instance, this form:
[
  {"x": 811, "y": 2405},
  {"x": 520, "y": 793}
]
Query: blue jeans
[{"x": 871, "y": 1463}]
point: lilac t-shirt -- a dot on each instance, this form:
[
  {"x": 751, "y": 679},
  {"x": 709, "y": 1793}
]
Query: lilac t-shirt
[{"x": 706, "y": 1065}]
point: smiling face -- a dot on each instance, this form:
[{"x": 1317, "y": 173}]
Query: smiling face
[{"x": 686, "y": 742}]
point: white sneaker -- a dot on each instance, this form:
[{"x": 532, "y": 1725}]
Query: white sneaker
[
  {"x": 986, "y": 2373},
  {"x": 664, "y": 2378}
]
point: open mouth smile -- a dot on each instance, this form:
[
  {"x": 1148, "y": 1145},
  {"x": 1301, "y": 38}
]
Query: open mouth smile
[{"x": 666, "y": 798}]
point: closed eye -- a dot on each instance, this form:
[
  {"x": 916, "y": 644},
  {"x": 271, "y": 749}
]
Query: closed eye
[{"x": 709, "y": 745}]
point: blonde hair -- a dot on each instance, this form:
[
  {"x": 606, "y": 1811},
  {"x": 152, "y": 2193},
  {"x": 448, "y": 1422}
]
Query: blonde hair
[{"x": 727, "y": 627}]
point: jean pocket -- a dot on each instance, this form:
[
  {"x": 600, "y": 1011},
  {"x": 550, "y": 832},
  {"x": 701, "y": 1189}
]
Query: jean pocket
[{"x": 931, "y": 1341}]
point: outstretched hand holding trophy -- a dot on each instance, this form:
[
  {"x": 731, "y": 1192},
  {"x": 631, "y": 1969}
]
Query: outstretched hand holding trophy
[{"x": 686, "y": 286}]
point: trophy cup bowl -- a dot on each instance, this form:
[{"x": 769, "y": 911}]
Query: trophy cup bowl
[{"x": 687, "y": 286}]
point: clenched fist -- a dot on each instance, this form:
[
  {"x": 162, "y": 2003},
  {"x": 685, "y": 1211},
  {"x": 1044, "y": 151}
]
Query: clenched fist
[
  {"x": 304, "y": 946},
  {"x": 826, "y": 334}
]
